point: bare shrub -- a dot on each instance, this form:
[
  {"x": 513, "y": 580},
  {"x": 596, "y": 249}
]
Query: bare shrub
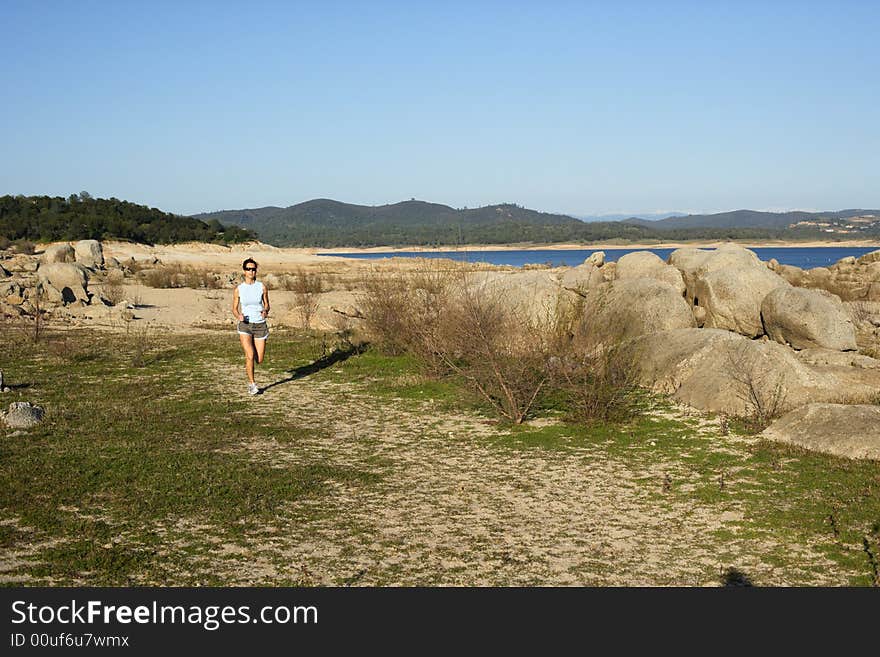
[
  {"x": 179, "y": 276},
  {"x": 761, "y": 389},
  {"x": 140, "y": 341},
  {"x": 861, "y": 313},
  {"x": 402, "y": 312},
  {"x": 601, "y": 386},
  {"x": 598, "y": 378},
  {"x": 5, "y": 243},
  {"x": 306, "y": 287},
  {"x": 496, "y": 349},
  {"x": 113, "y": 290},
  {"x": 511, "y": 357},
  {"x": 24, "y": 246}
]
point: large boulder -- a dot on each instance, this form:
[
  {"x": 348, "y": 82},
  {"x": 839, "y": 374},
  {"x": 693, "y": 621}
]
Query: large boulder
[
  {"x": 644, "y": 264},
  {"x": 626, "y": 309},
  {"x": 851, "y": 279},
  {"x": 535, "y": 295},
  {"x": 22, "y": 415},
  {"x": 89, "y": 254},
  {"x": 721, "y": 371},
  {"x": 732, "y": 297},
  {"x": 694, "y": 263},
  {"x": 21, "y": 263},
  {"x": 869, "y": 258},
  {"x": 597, "y": 259},
  {"x": 582, "y": 279},
  {"x": 64, "y": 282},
  {"x": 818, "y": 427},
  {"x": 59, "y": 253},
  {"x": 807, "y": 319}
]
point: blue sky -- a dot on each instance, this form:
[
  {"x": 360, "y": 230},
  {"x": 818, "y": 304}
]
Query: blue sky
[{"x": 578, "y": 107}]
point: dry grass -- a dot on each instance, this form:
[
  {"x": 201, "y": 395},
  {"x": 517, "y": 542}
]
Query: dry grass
[
  {"x": 179, "y": 276},
  {"x": 512, "y": 359},
  {"x": 762, "y": 390},
  {"x": 112, "y": 290}
]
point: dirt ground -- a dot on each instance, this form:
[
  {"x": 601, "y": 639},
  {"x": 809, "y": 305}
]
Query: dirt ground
[{"x": 454, "y": 508}]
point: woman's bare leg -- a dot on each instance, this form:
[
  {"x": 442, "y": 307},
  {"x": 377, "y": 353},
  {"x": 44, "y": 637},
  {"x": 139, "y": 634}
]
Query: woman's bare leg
[
  {"x": 247, "y": 343},
  {"x": 260, "y": 347}
]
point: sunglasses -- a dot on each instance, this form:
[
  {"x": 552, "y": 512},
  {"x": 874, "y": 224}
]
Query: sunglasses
[{"x": 250, "y": 269}]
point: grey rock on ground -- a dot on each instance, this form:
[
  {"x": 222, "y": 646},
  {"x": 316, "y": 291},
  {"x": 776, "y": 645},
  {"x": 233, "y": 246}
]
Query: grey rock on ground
[
  {"x": 732, "y": 297},
  {"x": 851, "y": 431},
  {"x": 721, "y": 371},
  {"x": 89, "y": 253},
  {"x": 583, "y": 278},
  {"x": 597, "y": 259},
  {"x": 22, "y": 415},
  {"x": 808, "y": 319},
  {"x": 58, "y": 253},
  {"x": 694, "y": 263},
  {"x": 644, "y": 264},
  {"x": 626, "y": 309},
  {"x": 535, "y": 295},
  {"x": 64, "y": 282}
]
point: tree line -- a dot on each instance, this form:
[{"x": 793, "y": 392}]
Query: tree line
[{"x": 80, "y": 216}]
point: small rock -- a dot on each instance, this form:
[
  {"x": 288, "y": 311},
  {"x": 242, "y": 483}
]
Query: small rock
[
  {"x": 23, "y": 415},
  {"x": 597, "y": 259}
]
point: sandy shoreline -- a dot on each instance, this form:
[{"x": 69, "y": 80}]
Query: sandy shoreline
[
  {"x": 591, "y": 247},
  {"x": 273, "y": 258}
]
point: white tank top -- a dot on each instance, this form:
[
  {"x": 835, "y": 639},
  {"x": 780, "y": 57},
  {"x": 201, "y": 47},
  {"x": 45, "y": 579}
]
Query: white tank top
[{"x": 251, "y": 299}]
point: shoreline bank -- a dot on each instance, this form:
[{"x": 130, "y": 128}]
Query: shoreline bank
[{"x": 593, "y": 247}]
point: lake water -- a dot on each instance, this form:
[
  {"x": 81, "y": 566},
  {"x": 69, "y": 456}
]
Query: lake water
[{"x": 798, "y": 256}]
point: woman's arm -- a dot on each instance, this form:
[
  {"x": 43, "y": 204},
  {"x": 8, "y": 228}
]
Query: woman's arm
[
  {"x": 265, "y": 301},
  {"x": 235, "y": 311}
]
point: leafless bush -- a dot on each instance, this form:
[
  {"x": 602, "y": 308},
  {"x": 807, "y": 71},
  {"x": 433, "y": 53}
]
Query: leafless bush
[
  {"x": 599, "y": 378},
  {"x": 501, "y": 352},
  {"x": 510, "y": 356},
  {"x": 761, "y": 389},
  {"x": 306, "y": 287},
  {"x": 402, "y": 312},
  {"x": 179, "y": 276},
  {"x": 139, "y": 342},
  {"x": 861, "y": 313},
  {"x": 24, "y": 246},
  {"x": 112, "y": 289},
  {"x": 5, "y": 243}
]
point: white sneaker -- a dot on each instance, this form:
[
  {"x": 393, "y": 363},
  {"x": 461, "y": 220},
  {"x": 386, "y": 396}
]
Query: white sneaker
[{"x": 253, "y": 389}]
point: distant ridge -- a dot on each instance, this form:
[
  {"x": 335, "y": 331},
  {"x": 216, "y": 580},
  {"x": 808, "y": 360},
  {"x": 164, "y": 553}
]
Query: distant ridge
[
  {"x": 327, "y": 222},
  {"x": 748, "y": 219}
]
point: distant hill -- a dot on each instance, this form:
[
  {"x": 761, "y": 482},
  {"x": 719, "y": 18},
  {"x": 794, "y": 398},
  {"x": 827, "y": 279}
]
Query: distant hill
[
  {"x": 78, "y": 217},
  {"x": 325, "y": 222},
  {"x": 329, "y": 223},
  {"x": 649, "y": 216},
  {"x": 751, "y": 219}
]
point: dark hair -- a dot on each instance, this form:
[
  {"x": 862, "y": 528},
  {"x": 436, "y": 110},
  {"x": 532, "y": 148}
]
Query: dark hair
[{"x": 245, "y": 263}]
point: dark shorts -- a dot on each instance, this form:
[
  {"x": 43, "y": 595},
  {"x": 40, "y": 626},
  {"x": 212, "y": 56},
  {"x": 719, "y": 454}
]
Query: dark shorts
[{"x": 259, "y": 331}]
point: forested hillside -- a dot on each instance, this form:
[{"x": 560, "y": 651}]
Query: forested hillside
[{"x": 54, "y": 218}]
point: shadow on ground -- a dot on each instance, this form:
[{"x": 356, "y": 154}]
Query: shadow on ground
[
  {"x": 734, "y": 578},
  {"x": 336, "y": 356}
]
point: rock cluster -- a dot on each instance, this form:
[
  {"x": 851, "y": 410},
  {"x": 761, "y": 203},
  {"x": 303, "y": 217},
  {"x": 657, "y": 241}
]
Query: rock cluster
[
  {"x": 851, "y": 279},
  {"x": 22, "y": 415}
]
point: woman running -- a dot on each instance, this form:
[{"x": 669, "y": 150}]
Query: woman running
[{"x": 250, "y": 306}]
